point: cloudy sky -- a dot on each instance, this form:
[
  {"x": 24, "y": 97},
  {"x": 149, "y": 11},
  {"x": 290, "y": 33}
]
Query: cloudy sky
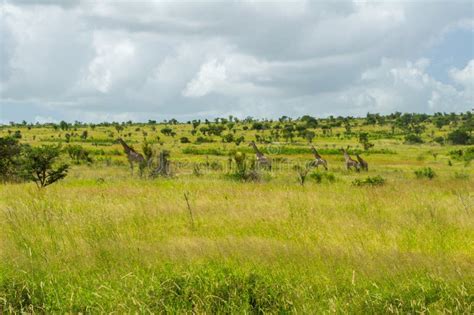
[{"x": 140, "y": 60}]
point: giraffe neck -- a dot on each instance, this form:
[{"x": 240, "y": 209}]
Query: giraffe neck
[
  {"x": 347, "y": 157},
  {"x": 128, "y": 150},
  {"x": 257, "y": 151}
]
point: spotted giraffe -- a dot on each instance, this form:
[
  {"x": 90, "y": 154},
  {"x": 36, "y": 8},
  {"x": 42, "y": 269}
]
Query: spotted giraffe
[
  {"x": 363, "y": 164},
  {"x": 350, "y": 163},
  {"x": 262, "y": 160},
  {"x": 318, "y": 160},
  {"x": 132, "y": 155}
]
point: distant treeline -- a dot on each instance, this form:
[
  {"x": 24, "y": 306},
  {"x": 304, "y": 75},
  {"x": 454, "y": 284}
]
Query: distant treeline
[{"x": 401, "y": 119}]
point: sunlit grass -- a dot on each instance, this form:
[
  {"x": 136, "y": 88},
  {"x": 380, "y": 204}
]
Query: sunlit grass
[{"x": 102, "y": 240}]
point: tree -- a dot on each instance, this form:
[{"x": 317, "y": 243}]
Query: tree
[
  {"x": 310, "y": 122},
  {"x": 413, "y": 139},
  {"x": 459, "y": 136},
  {"x": 17, "y": 134},
  {"x": 77, "y": 153},
  {"x": 196, "y": 124},
  {"x": 166, "y": 131},
  {"x": 228, "y": 138},
  {"x": 184, "y": 140},
  {"x": 63, "y": 125},
  {"x": 364, "y": 140},
  {"x": 84, "y": 135},
  {"x": 309, "y": 135},
  {"x": 39, "y": 167},
  {"x": 119, "y": 128},
  {"x": 10, "y": 150}
]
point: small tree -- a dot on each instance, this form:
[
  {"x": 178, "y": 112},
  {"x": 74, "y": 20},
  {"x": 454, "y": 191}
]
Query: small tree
[
  {"x": 364, "y": 140},
  {"x": 9, "y": 158},
  {"x": 459, "y": 136},
  {"x": 148, "y": 152},
  {"x": 39, "y": 165},
  {"x": 64, "y": 125},
  {"x": 77, "y": 153},
  {"x": 84, "y": 135},
  {"x": 309, "y": 135},
  {"x": 166, "y": 131},
  {"x": 184, "y": 140}
]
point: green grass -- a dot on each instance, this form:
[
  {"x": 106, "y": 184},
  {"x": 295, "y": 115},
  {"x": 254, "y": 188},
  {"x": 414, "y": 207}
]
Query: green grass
[{"x": 104, "y": 241}]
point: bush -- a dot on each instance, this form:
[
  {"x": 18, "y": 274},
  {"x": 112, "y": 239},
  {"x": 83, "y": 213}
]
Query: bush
[
  {"x": 166, "y": 131},
  {"x": 459, "y": 137},
  {"x": 319, "y": 177},
  {"x": 239, "y": 140},
  {"x": 426, "y": 172},
  {"x": 200, "y": 140},
  {"x": 78, "y": 154},
  {"x": 10, "y": 162},
  {"x": 184, "y": 140},
  {"x": 439, "y": 140},
  {"x": 364, "y": 140},
  {"x": 466, "y": 155},
  {"x": 228, "y": 138},
  {"x": 413, "y": 139},
  {"x": 39, "y": 166},
  {"x": 370, "y": 181},
  {"x": 245, "y": 170}
]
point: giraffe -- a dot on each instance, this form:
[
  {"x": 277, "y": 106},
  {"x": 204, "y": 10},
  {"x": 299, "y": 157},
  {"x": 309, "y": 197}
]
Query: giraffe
[
  {"x": 349, "y": 161},
  {"x": 318, "y": 159},
  {"x": 132, "y": 155},
  {"x": 262, "y": 160},
  {"x": 363, "y": 164}
]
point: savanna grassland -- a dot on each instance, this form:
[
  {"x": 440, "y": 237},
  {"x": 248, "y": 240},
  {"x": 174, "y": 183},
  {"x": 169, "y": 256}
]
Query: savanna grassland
[{"x": 207, "y": 240}]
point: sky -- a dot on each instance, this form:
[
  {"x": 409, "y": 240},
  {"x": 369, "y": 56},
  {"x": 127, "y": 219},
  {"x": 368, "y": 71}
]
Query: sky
[{"x": 121, "y": 60}]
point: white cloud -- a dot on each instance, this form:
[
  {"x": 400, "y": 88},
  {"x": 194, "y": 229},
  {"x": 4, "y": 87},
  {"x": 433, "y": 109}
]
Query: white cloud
[
  {"x": 210, "y": 76},
  {"x": 112, "y": 57},
  {"x": 464, "y": 76}
]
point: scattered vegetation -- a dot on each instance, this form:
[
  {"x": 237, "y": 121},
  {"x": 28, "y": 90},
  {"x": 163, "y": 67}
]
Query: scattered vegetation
[
  {"x": 369, "y": 181},
  {"x": 320, "y": 177},
  {"x": 102, "y": 240},
  {"x": 38, "y": 165},
  {"x": 425, "y": 172}
]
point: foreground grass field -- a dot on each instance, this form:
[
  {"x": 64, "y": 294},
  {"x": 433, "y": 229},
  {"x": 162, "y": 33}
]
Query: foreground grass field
[{"x": 103, "y": 240}]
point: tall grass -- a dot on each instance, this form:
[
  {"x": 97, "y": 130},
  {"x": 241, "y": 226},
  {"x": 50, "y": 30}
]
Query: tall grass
[
  {"x": 126, "y": 245},
  {"x": 103, "y": 241}
]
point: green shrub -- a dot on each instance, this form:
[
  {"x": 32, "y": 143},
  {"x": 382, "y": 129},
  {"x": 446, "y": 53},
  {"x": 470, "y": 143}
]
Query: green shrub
[
  {"x": 364, "y": 140},
  {"x": 439, "y": 140},
  {"x": 319, "y": 177},
  {"x": 38, "y": 165},
  {"x": 413, "y": 139},
  {"x": 184, "y": 140},
  {"x": 10, "y": 162},
  {"x": 369, "y": 181},
  {"x": 228, "y": 138},
  {"x": 426, "y": 172},
  {"x": 459, "y": 136},
  {"x": 466, "y": 155},
  {"x": 78, "y": 154},
  {"x": 200, "y": 140},
  {"x": 245, "y": 170}
]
